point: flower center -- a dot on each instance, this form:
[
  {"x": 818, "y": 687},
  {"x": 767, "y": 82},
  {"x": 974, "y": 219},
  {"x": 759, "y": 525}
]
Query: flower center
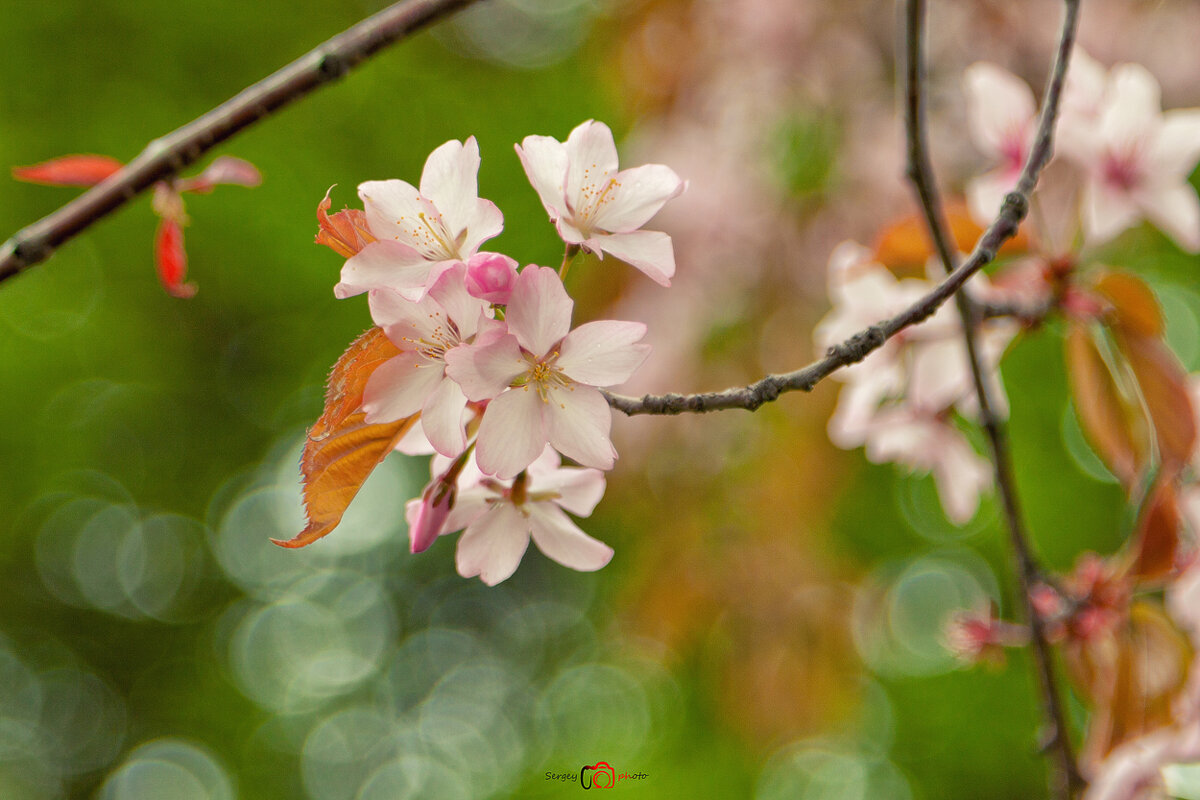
[
  {"x": 1122, "y": 168},
  {"x": 430, "y": 237},
  {"x": 544, "y": 376},
  {"x": 433, "y": 343},
  {"x": 594, "y": 196}
]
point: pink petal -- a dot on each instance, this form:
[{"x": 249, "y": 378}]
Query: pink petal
[
  {"x": 450, "y": 181},
  {"x": 491, "y": 277},
  {"x": 603, "y": 353},
  {"x": 383, "y": 264},
  {"x": 414, "y": 443},
  {"x": 484, "y": 371},
  {"x": 399, "y": 387},
  {"x": 483, "y": 222},
  {"x": 492, "y": 545},
  {"x": 512, "y": 433},
  {"x": 649, "y": 251},
  {"x": 545, "y": 163},
  {"x": 961, "y": 475},
  {"x": 387, "y": 202},
  {"x": 985, "y": 194},
  {"x": 1176, "y": 210},
  {"x": 223, "y": 170},
  {"x": 426, "y": 520},
  {"x": 403, "y": 321},
  {"x": 591, "y": 159},
  {"x": 637, "y": 195},
  {"x": 561, "y": 539},
  {"x": 450, "y": 292},
  {"x": 1106, "y": 213},
  {"x": 1177, "y": 148},
  {"x": 539, "y": 311},
  {"x": 471, "y": 504},
  {"x": 579, "y": 490},
  {"x": 1000, "y": 109},
  {"x": 1134, "y": 108},
  {"x": 579, "y": 421},
  {"x": 442, "y": 418},
  {"x": 570, "y": 234}
]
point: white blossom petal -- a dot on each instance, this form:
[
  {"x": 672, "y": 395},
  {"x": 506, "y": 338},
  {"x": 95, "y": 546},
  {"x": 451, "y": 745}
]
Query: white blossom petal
[
  {"x": 1000, "y": 109},
  {"x": 450, "y": 181},
  {"x": 603, "y": 353},
  {"x": 492, "y": 545},
  {"x": 450, "y": 292},
  {"x": 1176, "y": 210},
  {"x": 578, "y": 490},
  {"x": 442, "y": 418},
  {"x": 1177, "y": 147},
  {"x": 591, "y": 160},
  {"x": 399, "y": 387},
  {"x": 1107, "y": 213},
  {"x": 384, "y": 264},
  {"x": 512, "y": 433},
  {"x": 649, "y": 251},
  {"x": 578, "y": 425},
  {"x": 637, "y": 195},
  {"x": 1133, "y": 108},
  {"x": 484, "y": 371},
  {"x": 545, "y": 161},
  {"x": 539, "y": 311},
  {"x": 561, "y": 539}
]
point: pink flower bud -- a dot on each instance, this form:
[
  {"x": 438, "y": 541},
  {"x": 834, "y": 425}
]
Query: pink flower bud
[
  {"x": 491, "y": 277},
  {"x": 427, "y": 515}
]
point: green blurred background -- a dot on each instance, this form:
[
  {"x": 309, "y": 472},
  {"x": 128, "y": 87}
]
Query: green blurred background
[{"x": 771, "y": 626}]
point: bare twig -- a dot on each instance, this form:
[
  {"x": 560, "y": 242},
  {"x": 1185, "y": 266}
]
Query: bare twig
[
  {"x": 860, "y": 345},
  {"x": 167, "y": 156},
  {"x": 1065, "y": 777}
]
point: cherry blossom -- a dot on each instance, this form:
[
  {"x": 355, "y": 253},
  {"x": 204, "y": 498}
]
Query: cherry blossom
[
  {"x": 541, "y": 378},
  {"x": 500, "y": 517},
  {"x": 415, "y": 380},
  {"x": 927, "y": 443},
  {"x": 595, "y": 206},
  {"x": 1001, "y": 117},
  {"x": 926, "y": 364},
  {"x": 420, "y": 233},
  {"x": 1137, "y": 161}
]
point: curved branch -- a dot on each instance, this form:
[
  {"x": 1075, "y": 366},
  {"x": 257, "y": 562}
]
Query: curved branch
[
  {"x": 863, "y": 343},
  {"x": 167, "y": 156},
  {"x": 1065, "y": 774}
]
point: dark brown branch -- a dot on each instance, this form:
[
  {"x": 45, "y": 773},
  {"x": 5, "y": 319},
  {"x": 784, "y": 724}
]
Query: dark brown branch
[
  {"x": 167, "y": 156},
  {"x": 1065, "y": 776}
]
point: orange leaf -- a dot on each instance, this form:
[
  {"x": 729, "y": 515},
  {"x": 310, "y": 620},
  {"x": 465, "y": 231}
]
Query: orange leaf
[
  {"x": 1146, "y": 666},
  {"x": 1164, "y": 388},
  {"x": 1157, "y": 537},
  {"x": 346, "y": 232},
  {"x": 334, "y": 468},
  {"x": 1135, "y": 308},
  {"x": 342, "y": 449},
  {"x": 904, "y": 246},
  {"x": 348, "y": 379},
  {"x": 82, "y": 170},
  {"x": 1105, "y": 415}
]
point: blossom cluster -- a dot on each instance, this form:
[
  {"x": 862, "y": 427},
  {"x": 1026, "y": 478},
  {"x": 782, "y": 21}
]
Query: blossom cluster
[
  {"x": 485, "y": 352},
  {"x": 1126, "y": 160}
]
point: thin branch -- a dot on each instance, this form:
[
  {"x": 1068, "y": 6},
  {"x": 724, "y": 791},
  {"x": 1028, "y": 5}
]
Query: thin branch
[
  {"x": 860, "y": 345},
  {"x": 165, "y": 157},
  {"x": 1065, "y": 776}
]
